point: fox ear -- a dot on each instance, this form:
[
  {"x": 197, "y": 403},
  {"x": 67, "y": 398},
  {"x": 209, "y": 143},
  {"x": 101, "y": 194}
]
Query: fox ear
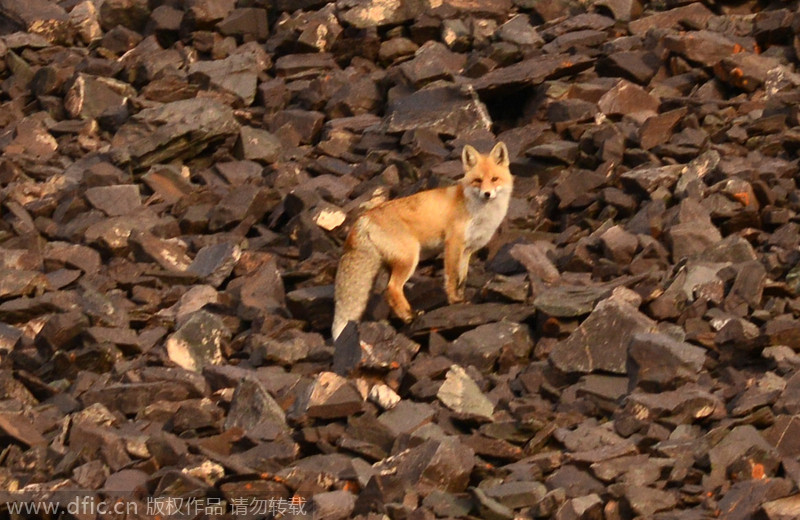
[
  {"x": 500, "y": 154},
  {"x": 469, "y": 156}
]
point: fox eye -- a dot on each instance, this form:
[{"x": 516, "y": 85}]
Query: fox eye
[
  {"x": 476, "y": 182},
  {"x": 495, "y": 179}
]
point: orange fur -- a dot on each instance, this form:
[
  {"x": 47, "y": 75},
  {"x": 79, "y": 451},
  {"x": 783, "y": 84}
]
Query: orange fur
[{"x": 459, "y": 219}]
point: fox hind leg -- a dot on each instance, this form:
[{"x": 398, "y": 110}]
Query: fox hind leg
[{"x": 401, "y": 269}]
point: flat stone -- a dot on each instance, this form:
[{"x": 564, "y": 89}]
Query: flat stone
[
  {"x": 584, "y": 508},
  {"x": 375, "y": 13},
  {"x": 91, "y": 97},
  {"x": 519, "y": 31},
  {"x": 446, "y": 110},
  {"x": 782, "y": 508},
  {"x": 334, "y": 505},
  {"x": 745, "y": 498},
  {"x": 493, "y": 343},
  {"x": 704, "y": 47},
  {"x": 115, "y": 200},
  {"x": 671, "y": 18},
  {"x": 236, "y": 74},
  {"x": 130, "y": 398},
  {"x": 258, "y": 145},
  {"x": 574, "y": 481},
  {"x": 460, "y": 393},
  {"x": 19, "y": 428},
  {"x": 330, "y": 396},
  {"x": 214, "y": 263},
  {"x": 531, "y": 72},
  {"x": 746, "y": 70},
  {"x": 169, "y": 254},
  {"x": 688, "y": 401},
  {"x": 454, "y": 317},
  {"x": 619, "y": 245},
  {"x": 601, "y": 341},
  {"x": 432, "y": 61},
  {"x": 254, "y": 410},
  {"x": 14, "y": 283},
  {"x": 638, "y": 66},
  {"x": 627, "y": 98},
  {"x": 491, "y": 508},
  {"x": 658, "y": 129},
  {"x": 198, "y": 342},
  {"x": 39, "y": 17},
  {"x": 176, "y": 130},
  {"x": 372, "y": 346},
  {"x": 242, "y": 202},
  {"x": 250, "y": 22},
  {"x": 406, "y": 417},
  {"x": 436, "y": 464},
  {"x": 517, "y": 494},
  {"x": 659, "y": 361},
  {"x": 784, "y": 435},
  {"x": 647, "y": 501}
]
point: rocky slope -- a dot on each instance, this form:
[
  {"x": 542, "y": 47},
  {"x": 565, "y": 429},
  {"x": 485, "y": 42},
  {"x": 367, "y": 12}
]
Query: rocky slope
[{"x": 177, "y": 178}]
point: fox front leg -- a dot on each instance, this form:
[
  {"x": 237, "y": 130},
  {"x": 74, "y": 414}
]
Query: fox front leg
[
  {"x": 456, "y": 263},
  {"x": 463, "y": 270}
]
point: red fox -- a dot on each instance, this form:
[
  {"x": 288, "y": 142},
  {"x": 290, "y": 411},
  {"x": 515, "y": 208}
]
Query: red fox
[{"x": 460, "y": 218}]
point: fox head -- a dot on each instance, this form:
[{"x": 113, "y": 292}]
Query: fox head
[{"x": 486, "y": 176}]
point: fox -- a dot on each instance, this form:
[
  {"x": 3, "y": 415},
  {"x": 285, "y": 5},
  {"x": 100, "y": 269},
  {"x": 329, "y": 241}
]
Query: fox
[{"x": 459, "y": 219}]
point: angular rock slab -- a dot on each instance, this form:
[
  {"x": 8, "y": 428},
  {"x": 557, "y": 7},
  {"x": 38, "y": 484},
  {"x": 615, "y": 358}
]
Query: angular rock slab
[
  {"x": 372, "y": 346},
  {"x": 601, "y": 341},
  {"x": 657, "y": 359},
  {"x": 464, "y": 316},
  {"x": 253, "y": 408},
  {"x": 376, "y": 13},
  {"x": 446, "y": 110},
  {"x": 462, "y": 395},
  {"x": 330, "y": 396},
  {"x": 198, "y": 342},
  {"x": 530, "y": 72},
  {"x": 176, "y": 130}
]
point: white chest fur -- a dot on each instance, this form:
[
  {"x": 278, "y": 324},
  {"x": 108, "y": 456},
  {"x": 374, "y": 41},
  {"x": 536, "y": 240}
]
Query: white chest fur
[{"x": 486, "y": 216}]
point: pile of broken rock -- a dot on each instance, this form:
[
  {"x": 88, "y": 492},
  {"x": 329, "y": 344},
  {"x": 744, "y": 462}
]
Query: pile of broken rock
[{"x": 177, "y": 179}]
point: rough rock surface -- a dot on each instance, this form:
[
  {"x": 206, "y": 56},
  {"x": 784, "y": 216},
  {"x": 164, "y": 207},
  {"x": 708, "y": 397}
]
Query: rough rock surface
[{"x": 176, "y": 183}]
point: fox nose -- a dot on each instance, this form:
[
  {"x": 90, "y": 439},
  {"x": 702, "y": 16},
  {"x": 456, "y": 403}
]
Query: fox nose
[{"x": 487, "y": 194}]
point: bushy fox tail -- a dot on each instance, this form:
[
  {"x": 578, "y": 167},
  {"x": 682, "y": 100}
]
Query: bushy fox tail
[{"x": 355, "y": 277}]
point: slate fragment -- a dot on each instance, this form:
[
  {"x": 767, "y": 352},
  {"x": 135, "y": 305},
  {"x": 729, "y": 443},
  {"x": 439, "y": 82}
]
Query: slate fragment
[
  {"x": 198, "y": 342},
  {"x": 446, "y": 110},
  {"x": 254, "y": 410},
  {"x": 214, "y": 263},
  {"x": 532, "y": 71},
  {"x": 483, "y": 347},
  {"x": 601, "y": 341},
  {"x": 329, "y": 396},
  {"x": 176, "y": 130},
  {"x": 39, "y": 17},
  {"x": 460, "y": 393},
  {"x": 627, "y": 98},
  {"x": 372, "y": 346},
  {"x": 115, "y": 200},
  {"x": 658, "y": 361}
]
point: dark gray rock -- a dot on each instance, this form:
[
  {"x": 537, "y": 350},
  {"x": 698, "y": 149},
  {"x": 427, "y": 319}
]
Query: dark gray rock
[
  {"x": 448, "y": 110},
  {"x": 460, "y": 393},
  {"x": 500, "y": 344},
  {"x": 177, "y": 130},
  {"x": 658, "y": 361},
  {"x": 601, "y": 341}
]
